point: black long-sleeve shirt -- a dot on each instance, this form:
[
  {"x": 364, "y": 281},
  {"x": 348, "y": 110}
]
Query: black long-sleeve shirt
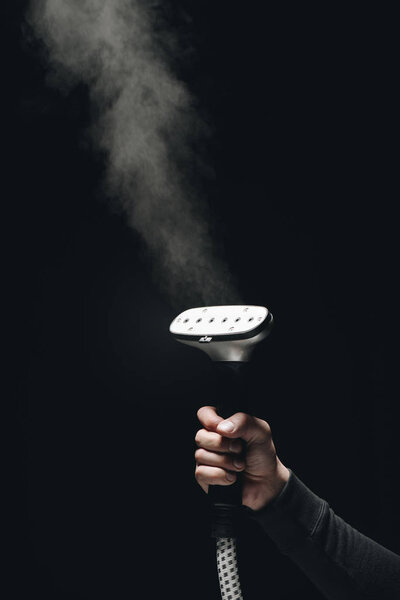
[{"x": 342, "y": 563}]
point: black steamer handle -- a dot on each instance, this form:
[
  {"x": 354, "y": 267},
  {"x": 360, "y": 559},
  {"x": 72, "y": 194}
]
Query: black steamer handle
[{"x": 226, "y": 500}]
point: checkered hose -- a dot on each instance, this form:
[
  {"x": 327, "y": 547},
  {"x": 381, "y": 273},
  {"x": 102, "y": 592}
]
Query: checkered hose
[{"x": 227, "y": 566}]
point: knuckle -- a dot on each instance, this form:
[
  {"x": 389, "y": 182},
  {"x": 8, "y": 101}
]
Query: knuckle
[
  {"x": 266, "y": 427},
  {"x": 199, "y": 454},
  {"x": 210, "y": 476},
  {"x": 208, "y": 440},
  {"x": 199, "y": 475},
  {"x": 206, "y": 415}
]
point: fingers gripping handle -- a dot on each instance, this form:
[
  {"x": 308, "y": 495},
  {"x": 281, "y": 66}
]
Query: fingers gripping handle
[
  {"x": 231, "y": 494},
  {"x": 226, "y": 500},
  {"x": 225, "y": 504}
]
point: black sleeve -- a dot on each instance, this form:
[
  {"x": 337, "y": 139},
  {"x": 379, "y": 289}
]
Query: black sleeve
[{"x": 341, "y": 562}]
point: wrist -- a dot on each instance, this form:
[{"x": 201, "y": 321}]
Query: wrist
[
  {"x": 282, "y": 478},
  {"x": 268, "y": 489}
]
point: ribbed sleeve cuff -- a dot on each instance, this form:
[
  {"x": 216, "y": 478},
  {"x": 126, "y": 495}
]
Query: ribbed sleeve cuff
[{"x": 291, "y": 518}]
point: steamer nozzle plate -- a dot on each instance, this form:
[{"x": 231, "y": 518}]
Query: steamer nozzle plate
[{"x": 226, "y": 333}]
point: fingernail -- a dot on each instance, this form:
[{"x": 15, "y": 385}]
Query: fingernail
[
  {"x": 230, "y": 476},
  {"x": 238, "y": 464},
  {"x": 227, "y": 426}
]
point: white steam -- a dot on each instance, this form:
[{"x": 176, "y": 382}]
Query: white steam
[{"x": 145, "y": 125}]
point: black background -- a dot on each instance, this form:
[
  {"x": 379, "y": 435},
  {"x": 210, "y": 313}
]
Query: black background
[{"x": 303, "y": 109}]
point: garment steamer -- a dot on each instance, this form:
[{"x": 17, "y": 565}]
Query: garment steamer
[{"x": 228, "y": 334}]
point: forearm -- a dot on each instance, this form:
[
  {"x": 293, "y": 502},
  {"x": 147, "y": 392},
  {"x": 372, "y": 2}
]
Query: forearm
[{"x": 340, "y": 561}]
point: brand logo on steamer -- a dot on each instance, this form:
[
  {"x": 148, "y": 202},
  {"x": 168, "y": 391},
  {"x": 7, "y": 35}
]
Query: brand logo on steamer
[{"x": 205, "y": 338}]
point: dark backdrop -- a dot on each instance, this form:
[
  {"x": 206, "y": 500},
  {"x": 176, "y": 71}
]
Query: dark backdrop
[{"x": 304, "y": 199}]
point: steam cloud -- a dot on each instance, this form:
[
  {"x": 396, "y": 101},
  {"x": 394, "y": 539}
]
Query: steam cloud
[{"x": 145, "y": 125}]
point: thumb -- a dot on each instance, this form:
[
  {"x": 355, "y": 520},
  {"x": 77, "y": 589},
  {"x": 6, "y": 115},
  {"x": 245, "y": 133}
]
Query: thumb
[{"x": 241, "y": 425}]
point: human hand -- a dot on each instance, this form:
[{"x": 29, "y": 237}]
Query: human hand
[{"x": 241, "y": 443}]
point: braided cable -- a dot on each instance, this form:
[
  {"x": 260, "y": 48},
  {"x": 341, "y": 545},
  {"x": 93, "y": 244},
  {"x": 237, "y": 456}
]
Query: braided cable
[{"x": 228, "y": 573}]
